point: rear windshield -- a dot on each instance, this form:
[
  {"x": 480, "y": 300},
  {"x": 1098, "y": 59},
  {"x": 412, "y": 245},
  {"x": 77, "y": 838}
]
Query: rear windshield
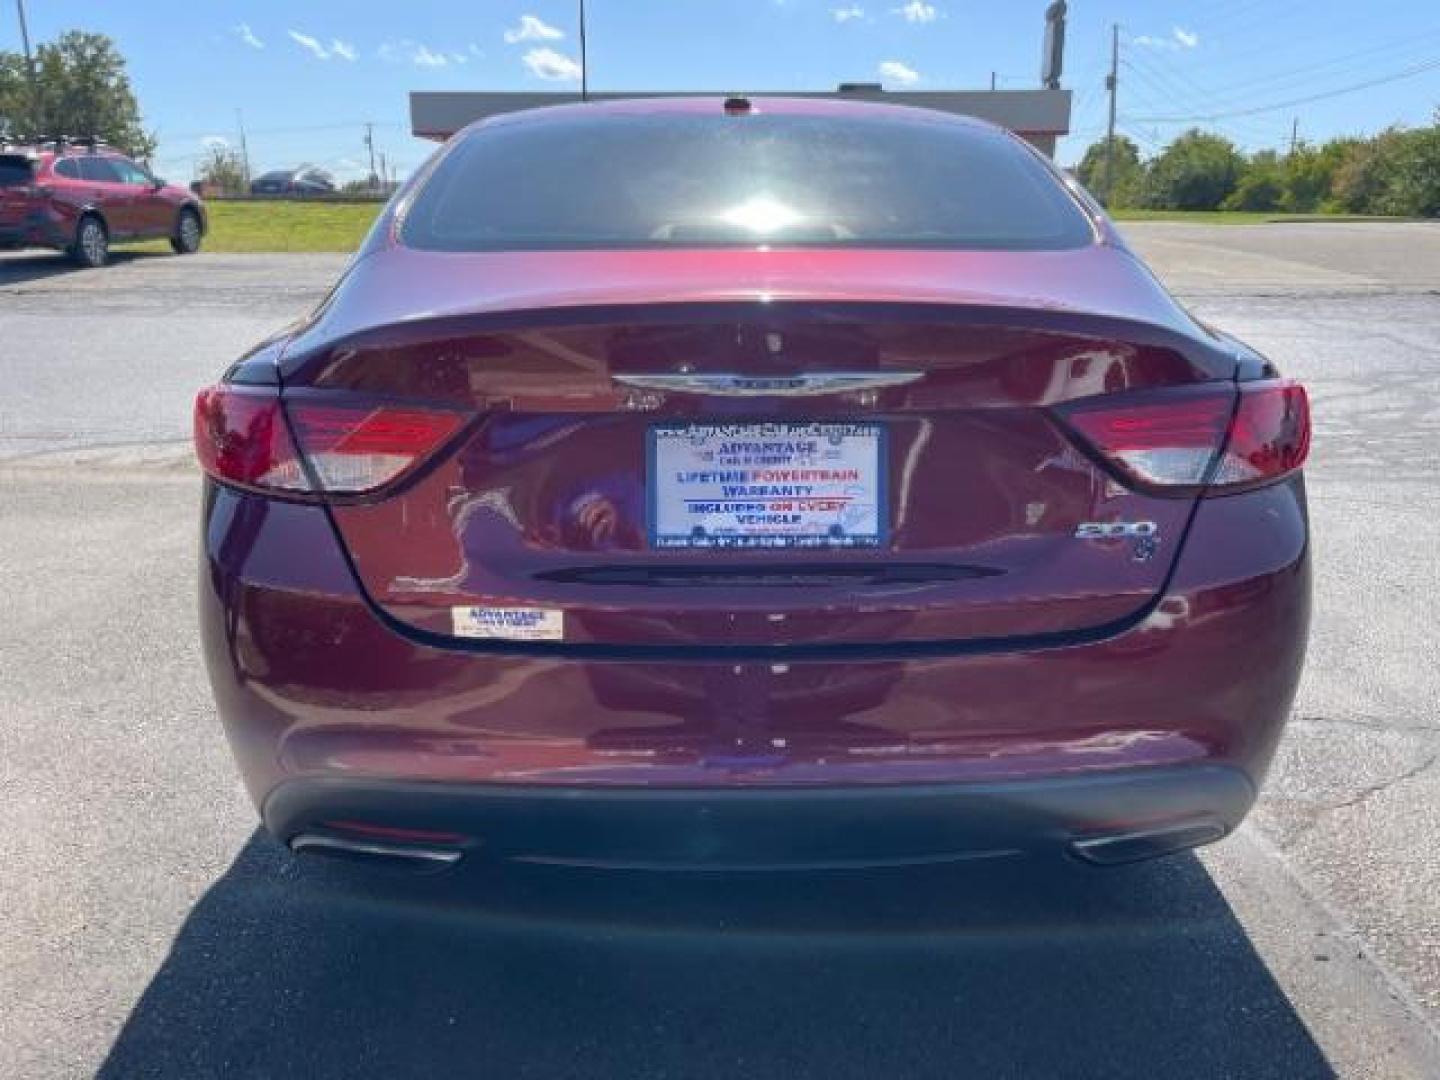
[
  {"x": 626, "y": 181},
  {"x": 15, "y": 170}
]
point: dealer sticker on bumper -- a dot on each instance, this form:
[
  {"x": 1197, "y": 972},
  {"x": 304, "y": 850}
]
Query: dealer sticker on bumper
[
  {"x": 780, "y": 485},
  {"x": 509, "y": 623}
]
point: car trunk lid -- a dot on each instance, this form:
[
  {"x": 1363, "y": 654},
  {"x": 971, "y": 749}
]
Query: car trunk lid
[{"x": 551, "y": 518}]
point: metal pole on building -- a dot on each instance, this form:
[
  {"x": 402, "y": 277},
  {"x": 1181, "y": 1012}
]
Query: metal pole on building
[
  {"x": 1052, "y": 63},
  {"x": 584, "y": 58},
  {"x": 1112, "y": 84},
  {"x": 36, "y": 104}
]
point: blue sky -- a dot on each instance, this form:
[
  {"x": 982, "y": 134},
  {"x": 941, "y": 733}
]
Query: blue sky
[{"x": 308, "y": 73}]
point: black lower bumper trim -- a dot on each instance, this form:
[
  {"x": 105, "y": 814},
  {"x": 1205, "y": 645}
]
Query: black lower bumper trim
[{"x": 764, "y": 828}]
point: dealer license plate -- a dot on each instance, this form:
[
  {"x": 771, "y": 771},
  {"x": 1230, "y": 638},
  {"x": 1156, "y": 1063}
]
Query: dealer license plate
[{"x": 781, "y": 485}]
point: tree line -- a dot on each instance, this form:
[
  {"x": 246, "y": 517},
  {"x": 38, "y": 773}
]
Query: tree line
[
  {"x": 1395, "y": 173},
  {"x": 81, "y": 89}
]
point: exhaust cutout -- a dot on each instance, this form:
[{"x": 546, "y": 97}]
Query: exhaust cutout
[
  {"x": 1134, "y": 846},
  {"x": 376, "y": 853}
]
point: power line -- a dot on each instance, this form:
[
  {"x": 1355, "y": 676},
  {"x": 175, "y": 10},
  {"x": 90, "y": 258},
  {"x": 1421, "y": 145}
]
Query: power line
[
  {"x": 1178, "y": 86},
  {"x": 1169, "y": 91},
  {"x": 1313, "y": 29},
  {"x": 1265, "y": 11},
  {"x": 299, "y": 130},
  {"x": 1140, "y": 136},
  {"x": 1234, "y": 92},
  {"x": 1418, "y": 69},
  {"x": 1086, "y": 87}
]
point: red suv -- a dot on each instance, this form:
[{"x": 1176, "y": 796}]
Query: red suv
[{"x": 80, "y": 198}]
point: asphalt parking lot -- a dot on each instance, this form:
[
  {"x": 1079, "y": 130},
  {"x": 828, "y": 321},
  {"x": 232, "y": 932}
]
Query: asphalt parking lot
[{"x": 149, "y": 931}]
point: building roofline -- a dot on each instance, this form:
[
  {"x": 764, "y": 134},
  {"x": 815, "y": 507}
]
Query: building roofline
[{"x": 1040, "y": 114}]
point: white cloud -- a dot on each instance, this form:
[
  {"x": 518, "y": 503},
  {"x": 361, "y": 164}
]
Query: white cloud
[
  {"x": 532, "y": 28},
  {"x": 549, "y": 64},
  {"x": 847, "y": 14},
  {"x": 406, "y": 51},
  {"x": 423, "y": 56},
  {"x": 1179, "y": 38},
  {"x": 245, "y": 34},
  {"x": 309, "y": 44},
  {"x": 459, "y": 58},
  {"x": 896, "y": 72},
  {"x": 917, "y": 11},
  {"x": 342, "y": 49}
]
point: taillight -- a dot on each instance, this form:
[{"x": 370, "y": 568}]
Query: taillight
[
  {"x": 242, "y": 438},
  {"x": 1175, "y": 442},
  {"x": 1269, "y": 437},
  {"x": 357, "y": 450}
]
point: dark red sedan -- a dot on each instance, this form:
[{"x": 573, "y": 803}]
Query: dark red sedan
[
  {"x": 81, "y": 197},
  {"x": 738, "y": 484}
]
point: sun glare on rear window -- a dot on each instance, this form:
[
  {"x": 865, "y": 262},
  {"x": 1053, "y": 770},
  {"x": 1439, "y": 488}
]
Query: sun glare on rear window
[{"x": 654, "y": 181}]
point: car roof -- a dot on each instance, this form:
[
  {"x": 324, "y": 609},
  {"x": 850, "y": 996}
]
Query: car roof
[
  {"x": 47, "y": 156},
  {"x": 714, "y": 105}
]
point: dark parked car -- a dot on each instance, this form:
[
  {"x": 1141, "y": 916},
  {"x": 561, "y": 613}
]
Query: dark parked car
[
  {"x": 775, "y": 483},
  {"x": 306, "y": 180},
  {"x": 79, "y": 199}
]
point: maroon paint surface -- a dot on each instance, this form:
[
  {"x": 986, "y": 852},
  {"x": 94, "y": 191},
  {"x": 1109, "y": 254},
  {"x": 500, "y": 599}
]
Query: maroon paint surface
[{"x": 326, "y": 628}]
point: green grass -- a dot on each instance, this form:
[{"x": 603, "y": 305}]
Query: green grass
[
  {"x": 1234, "y": 217},
  {"x": 249, "y": 227},
  {"x": 288, "y": 226}
]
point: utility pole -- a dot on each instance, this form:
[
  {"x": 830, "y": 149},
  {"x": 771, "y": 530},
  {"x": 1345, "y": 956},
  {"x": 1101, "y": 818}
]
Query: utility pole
[
  {"x": 584, "y": 58},
  {"x": 244, "y": 146},
  {"x": 1112, "y": 84},
  {"x": 1294, "y": 136},
  {"x": 370, "y": 145},
  {"x": 992, "y": 82},
  {"x": 37, "y": 105}
]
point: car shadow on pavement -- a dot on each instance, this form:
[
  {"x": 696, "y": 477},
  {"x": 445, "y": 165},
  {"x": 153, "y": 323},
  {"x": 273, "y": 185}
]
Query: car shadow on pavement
[
  {"x": 316, "y": 970},
  {"x": 19, "y": 268}
]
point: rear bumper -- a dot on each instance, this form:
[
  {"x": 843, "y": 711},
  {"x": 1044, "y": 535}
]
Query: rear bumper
[
  {"x": 332, "y": 712},
  {"x": 783, "y": 828},
  {"x": 37, "y": 229}
]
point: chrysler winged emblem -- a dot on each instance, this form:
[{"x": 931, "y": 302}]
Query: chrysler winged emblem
[{"x": 734, "y": 385}]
